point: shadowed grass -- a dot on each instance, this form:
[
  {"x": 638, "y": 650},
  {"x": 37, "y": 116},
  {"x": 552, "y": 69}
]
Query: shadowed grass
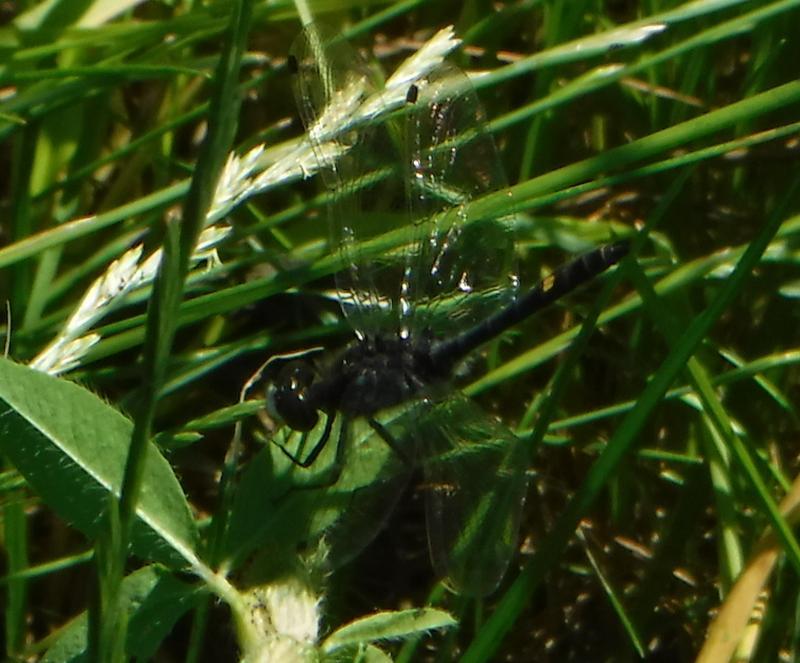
[{"x": 660, "y": 403}]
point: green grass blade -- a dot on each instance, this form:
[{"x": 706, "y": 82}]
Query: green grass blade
[{"x": 623, "y": 439}]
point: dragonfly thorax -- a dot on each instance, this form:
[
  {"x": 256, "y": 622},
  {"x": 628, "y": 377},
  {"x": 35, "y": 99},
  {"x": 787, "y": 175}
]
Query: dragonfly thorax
[
  {"x": 370, "y": 375},
  {"x": 378, "y": 373}
]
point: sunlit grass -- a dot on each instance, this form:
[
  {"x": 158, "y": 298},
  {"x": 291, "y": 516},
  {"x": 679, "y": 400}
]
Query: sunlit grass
[{"x": 665, "y": 432}]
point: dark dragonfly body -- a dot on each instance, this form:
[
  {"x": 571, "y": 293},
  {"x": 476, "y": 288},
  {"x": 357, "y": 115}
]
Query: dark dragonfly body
[
  {"x": 376, "y": 373},
  {"x": 444, "y": 286}
]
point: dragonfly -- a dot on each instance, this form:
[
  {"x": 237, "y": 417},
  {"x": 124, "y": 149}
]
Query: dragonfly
[{"x": 424, "y": 284}]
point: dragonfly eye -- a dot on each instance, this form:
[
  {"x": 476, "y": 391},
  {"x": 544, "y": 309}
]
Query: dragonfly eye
[{"x": 287, "y": 397}]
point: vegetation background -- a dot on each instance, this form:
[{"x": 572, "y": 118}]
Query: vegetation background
[{"x": 659, "y": 522}]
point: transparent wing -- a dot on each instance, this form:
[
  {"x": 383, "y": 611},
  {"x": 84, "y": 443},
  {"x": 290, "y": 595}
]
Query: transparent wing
[
  {"x": 344, "y": 111},
  {"x": 358, "y": 505},
  {"x": 461, "y": 268},
  {"x": 475, "y": 485},
  {"x": 345, "y": 497},
  {"x": 401, "y": 173}
]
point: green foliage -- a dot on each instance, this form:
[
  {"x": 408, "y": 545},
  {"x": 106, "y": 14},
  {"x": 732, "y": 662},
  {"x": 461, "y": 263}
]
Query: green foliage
[
  {"x": 71, "y": 447},
  {"x": 659, "y": 408}
]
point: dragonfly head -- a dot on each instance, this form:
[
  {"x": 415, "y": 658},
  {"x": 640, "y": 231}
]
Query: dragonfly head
[{"x": 288, "y": 396}]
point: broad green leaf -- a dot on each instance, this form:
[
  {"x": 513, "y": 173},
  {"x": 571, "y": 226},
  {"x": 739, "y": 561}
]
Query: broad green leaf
[
  {"x": 388, "y": 625},
  {"x": 368, "y": 654},
  {"x": 278, "y": 505},
  {"x": 155, "y": 600},
  {"x": 71, "y": 447}
]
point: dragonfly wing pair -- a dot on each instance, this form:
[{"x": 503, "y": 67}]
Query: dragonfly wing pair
[{"x": 402, "y": 167}]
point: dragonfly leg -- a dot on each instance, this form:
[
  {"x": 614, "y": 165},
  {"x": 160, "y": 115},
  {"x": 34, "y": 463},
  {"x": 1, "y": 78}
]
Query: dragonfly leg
[
  {"x": 318, "y": 447},
  {"x": 338, "y": 463},
  {"x": 387, "y": 437}
]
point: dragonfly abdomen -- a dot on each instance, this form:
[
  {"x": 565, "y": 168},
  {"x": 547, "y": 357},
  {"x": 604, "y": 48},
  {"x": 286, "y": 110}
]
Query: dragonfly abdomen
[{"x": 561, "y": 282}]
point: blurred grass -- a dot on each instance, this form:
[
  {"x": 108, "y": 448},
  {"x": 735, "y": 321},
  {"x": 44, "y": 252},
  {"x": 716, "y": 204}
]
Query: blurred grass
[{"x": 678, "y": 120}]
